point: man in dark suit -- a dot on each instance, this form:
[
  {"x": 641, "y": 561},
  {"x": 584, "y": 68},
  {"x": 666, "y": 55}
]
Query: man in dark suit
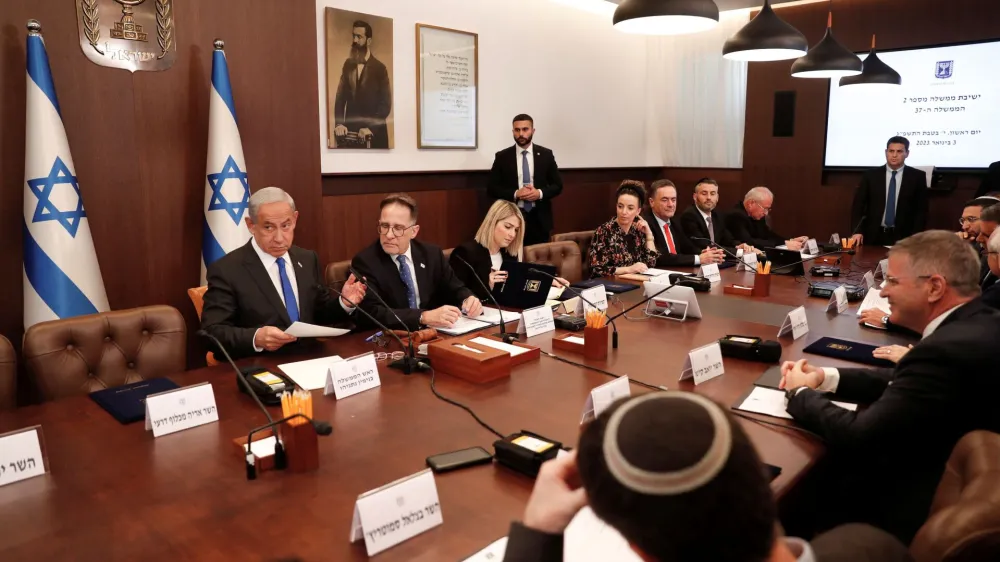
[
  {"x": 258, "y": 290},
  {"x": 528, "y": 175},
  {"x": 364, "y": 95},
  {"x": 886, "y": 461},
  {"x": 991, "y": 183},
  {"x": 703, "y": 223},
  {"x": 989, "y": 219},
  {"x": 747, "y": 222},
  {"x": 891, "y": 198},
  {"x": 412, "y": 277},
  {"x": 671, "y": 241}
]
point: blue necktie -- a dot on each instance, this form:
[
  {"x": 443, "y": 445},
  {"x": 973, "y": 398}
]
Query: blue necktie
[
  {"x": 526, "y": 180},
  {"x": 404, "y": 274},
  {"x": 286, "y": 288},
  {"x": 890, "y": 203}
]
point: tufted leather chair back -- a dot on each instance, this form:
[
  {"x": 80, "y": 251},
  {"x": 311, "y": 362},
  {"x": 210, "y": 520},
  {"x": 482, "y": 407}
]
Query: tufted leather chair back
[
  {"x": 964, "y": 525},
  {"x": 8, "y": 375},
  {"x": 337, "y": 274},
  {"x": 583, "y": 239},
  {"x": 87, "y": 353},
  {"x": 565, "y": 256}
]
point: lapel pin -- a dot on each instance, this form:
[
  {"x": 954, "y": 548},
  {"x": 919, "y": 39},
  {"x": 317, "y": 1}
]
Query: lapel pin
[
  {"x": 300, "y": 263},
  {"x": 423, "y": 266}
]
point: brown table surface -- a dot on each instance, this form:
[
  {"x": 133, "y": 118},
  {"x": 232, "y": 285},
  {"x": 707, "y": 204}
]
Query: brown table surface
[{"x": 116, "y": 493}]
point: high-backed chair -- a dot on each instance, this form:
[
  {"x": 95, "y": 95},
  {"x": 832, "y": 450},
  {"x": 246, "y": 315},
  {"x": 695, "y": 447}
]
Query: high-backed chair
[
  {"x": 964, "y": 524},
  {"x": 197, "y": 296},
  {"x": 87, "y": 353},
  {"x": 583, "y": 239},
  {"x": 565, "y": 256},
  {"x": 337, "y": 274},
  {"x": 8, "y": 375}
]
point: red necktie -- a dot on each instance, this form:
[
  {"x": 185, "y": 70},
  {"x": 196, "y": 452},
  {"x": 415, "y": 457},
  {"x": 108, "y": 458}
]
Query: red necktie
[{"x": 670, "y": 238}]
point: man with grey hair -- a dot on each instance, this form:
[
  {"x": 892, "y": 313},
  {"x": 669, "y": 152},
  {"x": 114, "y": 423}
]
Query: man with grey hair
[
  {"x": 886, "y": 460},
  {"x": 260, "y": 289},
  {"x": 748, "y": 222}
]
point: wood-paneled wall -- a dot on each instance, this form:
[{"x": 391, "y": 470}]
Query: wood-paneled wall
[{"x": 139, "y": 140}]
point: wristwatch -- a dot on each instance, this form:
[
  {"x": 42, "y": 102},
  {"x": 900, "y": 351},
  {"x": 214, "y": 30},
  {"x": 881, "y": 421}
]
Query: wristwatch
[{"x": 885, "y": 320}]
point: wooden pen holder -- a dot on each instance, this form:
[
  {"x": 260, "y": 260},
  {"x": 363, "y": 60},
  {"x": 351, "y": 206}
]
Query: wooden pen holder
[
  {"x": 301, "y": 446},
  {"x": 595, "y": 343},
  {"x": 761, "y": 285}
]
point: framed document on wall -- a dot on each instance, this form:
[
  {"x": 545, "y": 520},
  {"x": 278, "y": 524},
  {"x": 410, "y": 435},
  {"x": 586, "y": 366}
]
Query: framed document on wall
[{"x": 447, "y": 88}]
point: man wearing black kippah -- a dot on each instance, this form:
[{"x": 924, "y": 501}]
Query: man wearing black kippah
[{"x": 678, "y": 478}]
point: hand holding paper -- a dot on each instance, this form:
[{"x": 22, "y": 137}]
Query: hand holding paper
[{"x": 303, "y": 330}]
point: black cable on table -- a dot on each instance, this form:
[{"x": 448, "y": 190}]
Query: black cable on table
[
  {"x": 602, "y": 371},
  {"x": 462, "y": 406}
]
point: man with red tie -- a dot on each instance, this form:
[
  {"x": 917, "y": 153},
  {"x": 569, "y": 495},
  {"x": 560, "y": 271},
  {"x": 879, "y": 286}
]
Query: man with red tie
[{"x": 673, "y": 244}]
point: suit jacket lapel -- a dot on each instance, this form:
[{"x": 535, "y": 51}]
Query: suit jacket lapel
[
  {"x": 257, "y": 272},
  {"x": 658, "y": 238},
  {"x": 304, "y": 277},
  {"x": 396, "y": 290},
  {"x": 424, "y": 288}
]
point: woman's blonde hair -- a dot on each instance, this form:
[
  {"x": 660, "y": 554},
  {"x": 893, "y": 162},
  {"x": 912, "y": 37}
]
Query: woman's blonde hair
[{"x": 499, "y": 211}]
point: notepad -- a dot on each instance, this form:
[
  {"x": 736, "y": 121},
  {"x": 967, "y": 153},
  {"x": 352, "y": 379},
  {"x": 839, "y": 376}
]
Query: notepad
[
  {"x": 464, "y": 325},
  {"x": 771, "y": 402}
]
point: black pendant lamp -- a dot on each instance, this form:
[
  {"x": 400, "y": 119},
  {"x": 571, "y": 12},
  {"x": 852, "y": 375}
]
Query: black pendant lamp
[
  {"x": 828, "y": 59},
  {"x": 876, "y": 73},
  {"x": 666, "y": 17},
  {"x": 766, "y": 38}
]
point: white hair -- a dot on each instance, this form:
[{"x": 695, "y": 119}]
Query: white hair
[
  {"x": 268, "y": 195},
  {"x": 993, "y": 244},
  {"x": 759, "y": 194}
]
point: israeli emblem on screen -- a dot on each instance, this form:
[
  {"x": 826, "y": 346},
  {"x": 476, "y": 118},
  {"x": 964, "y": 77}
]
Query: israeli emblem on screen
[
  {"x": 944, "y": 69},
  {"x": 129, "y": 34}
]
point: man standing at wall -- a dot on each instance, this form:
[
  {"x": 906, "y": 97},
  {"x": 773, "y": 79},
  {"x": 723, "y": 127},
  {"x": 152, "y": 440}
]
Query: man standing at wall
[
  {"x": 528, "y": 175},
  {"x": 891, "y": 198}
]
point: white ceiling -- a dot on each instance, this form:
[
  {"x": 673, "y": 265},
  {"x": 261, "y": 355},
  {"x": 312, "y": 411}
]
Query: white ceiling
[{"x": 732, "y": 4}]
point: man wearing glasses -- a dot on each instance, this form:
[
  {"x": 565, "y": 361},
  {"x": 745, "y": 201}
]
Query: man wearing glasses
[
  {"x": 748, "y": 222},
  {"x": 969, "y": 221},
  {"x": 412, "y": 277},
  {"x": 886, "y": 460}
]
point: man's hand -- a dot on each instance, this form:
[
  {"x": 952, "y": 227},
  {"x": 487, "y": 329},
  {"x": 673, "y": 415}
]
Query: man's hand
[
  {"x": 891, "y": 352},
  {"x": 271, "y": 338},
  {"x": 340, "y": 131},
  {"x": 443, "y": 317},
  {"x": 472, "y": 306},
  {"x": 365, "y": 133},
  {"x": 712, "y": 255},
  {"x": 800, "y": 373},
  {"x": 532, "y": 194},
  {"x": 874, "y": 317},
  {"x": 353, "y": 292},
  {"x": 858, "y": 239},
  {"x": 794, "y": 244},
  {"x": 523, "y": 191},
  {"x": 556, "y": 497}
]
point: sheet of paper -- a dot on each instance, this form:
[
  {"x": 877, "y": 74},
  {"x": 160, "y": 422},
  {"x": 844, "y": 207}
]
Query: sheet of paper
[
  {"x": 588, "y": 539},
  {"x": 263, "y": 447},
  {"x": 653, "y": 272},
  {"x": 303, "y": 330},
  {"x": 311, "y": 374},
  {"x": 873, "y": 299},
  {"x": 771, "y": 402},
  {"x": 555, "y": 291},
  {"x": 464, "y": 325},
  {"x": 574, "y": 339},
  {"x": 492, "y": 315},
  {"x": 492, "y": 553},
  {"x": 512, "y": 349}
]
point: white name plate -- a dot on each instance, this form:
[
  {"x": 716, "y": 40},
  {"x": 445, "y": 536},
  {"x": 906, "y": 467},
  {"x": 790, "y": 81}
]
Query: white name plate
[
  {"x": 21, "y": 455},
  {"x": 812, "y": 248},
  {"x": 748, "y": 262},
  {"x": 838, "y": 300},
  {"x": 603, "y": 396},
  {"x": 703, "y": 363},
  {"x": 796, "y": 323},
  {"x": 351, "y": 376},
  {"x": 396, "y": 512},
  {"x": 711, "y": 272},
  {"x": 869, "y": 280},
  {"x": 534, "y": 321},
  {"x": 883, "y": 266},
  {"x": 596, "y": 295},
  {"x": 179, "y": 409},
  {"x": 835, "y": 238}
]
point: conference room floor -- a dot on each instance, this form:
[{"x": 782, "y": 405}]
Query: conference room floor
[{"x": 115, "y": 493}]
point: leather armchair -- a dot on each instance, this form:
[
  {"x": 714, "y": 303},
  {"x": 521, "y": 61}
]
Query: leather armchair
[
  {"x": 565, "y": 256},
  {"x": 8, "y": 375},
  {"x": 80, "y": 355},
  {"x": 583, "y": 239},
  {"x": 964, "y": 524},
  {"x": 337, "y": 273}
]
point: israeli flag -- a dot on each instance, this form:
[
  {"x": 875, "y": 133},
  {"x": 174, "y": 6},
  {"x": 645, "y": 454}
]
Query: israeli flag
[
  {"x": 61, "y": 275},
  {"x": 227, "y": 192}
]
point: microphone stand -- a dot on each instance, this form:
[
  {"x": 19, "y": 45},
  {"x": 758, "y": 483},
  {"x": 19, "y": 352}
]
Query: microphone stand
[
  {"x": 409, "y": 363},
  {"x": 642, "y": 302},
  {"x": 727, "y": 252},
  {"x": 575, "y": 291},
  {"x": 320, "y": 427},
  {"x": 504, "y": 336}
]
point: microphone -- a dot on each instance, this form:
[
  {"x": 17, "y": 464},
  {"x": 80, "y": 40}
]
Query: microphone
[
  {"x": 280, "y": 461},
  {"x": 810, "y": 258},
  {"x": 504, "y": 336},
  {"x": 857, "y": 228},
  {"x": 320, "y": 427},
  {"x": 378, "y": 297},
  {"x": 575, "y": 291},
  {"x": 408, "y": 364},
  {"x": 714, "y": 245}
]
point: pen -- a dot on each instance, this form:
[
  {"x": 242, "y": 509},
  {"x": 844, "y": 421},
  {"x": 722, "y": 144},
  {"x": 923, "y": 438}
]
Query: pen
[{"x": 373, "y": 337}]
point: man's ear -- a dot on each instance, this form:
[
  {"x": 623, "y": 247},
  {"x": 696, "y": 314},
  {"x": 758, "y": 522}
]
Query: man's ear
[
  {"x": 416, "y": 230},
  {"x": 249, "y": 223}
]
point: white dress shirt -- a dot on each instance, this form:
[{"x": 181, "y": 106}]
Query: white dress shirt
[
  {"x": 831, "y": 377},
  {"x": 899, "y": 183},
  {"x": 662, "y": 223},
  {"x": 413, "y": 271},
  {"x": 518, "y": 149},
  {"x": 361, "y": 65}
]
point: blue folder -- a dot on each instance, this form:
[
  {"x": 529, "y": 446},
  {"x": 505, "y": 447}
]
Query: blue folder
[{"x": 128, "y": 403}]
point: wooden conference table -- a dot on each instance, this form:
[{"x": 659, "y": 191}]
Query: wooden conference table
[{"x": 116, "y": 493}]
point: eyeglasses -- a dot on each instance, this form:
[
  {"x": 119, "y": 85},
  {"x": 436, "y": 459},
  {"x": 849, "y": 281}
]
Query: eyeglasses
[
  {"x": 763, "y": 208},
  {"x": 395, "y": 355},
  {"x": 968, "y": 220},
  {"x": 397, "y": 229},
  {"x": 891, "y": 281}
]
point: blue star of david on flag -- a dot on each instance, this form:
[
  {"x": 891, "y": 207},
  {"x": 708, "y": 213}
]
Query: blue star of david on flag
[
  {"x": 46, "y": 210},
  {"x": 230, "y": 171}
]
